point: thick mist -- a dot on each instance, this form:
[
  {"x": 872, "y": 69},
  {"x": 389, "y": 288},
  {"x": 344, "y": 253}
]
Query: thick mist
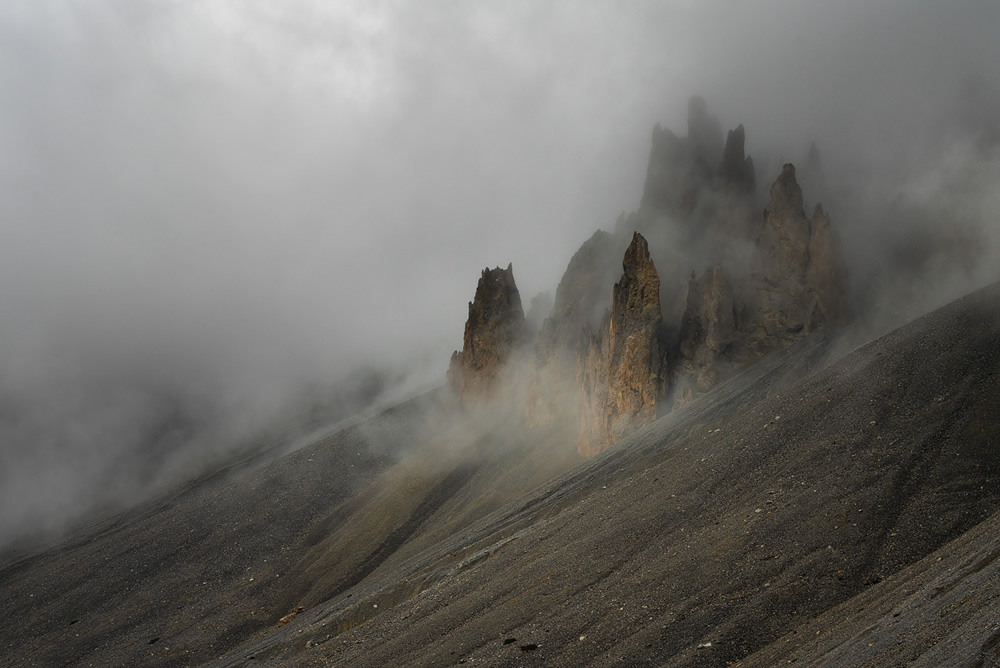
[{"x": 220, "y": 219}]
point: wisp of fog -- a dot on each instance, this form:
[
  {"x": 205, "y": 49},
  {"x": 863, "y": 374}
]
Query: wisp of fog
[{"x": 220, "y": 217}]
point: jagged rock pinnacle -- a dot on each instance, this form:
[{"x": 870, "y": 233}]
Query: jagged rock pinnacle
[
  {"x": 624, "y": 370},
  {"x": 495, "y": 326},
  {"x": 737, "y": 168},
  {"x": 798, "y": 280},
  {"x": 707, "y": 331}
]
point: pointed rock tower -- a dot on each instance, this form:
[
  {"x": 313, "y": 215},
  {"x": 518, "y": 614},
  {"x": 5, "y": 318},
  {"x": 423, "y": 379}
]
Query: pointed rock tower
[
  {"x": 798, "y": 280},
  {"x": 494, "y": 328},
  {"x": 624, "y": 370},
  {"x": 708, "y": 331}
]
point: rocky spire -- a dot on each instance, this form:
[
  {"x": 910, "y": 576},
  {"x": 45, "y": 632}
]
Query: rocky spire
[
  {"x": 582, "y": 295},
  {"x": 798, "y": 280},
  {"x": 783, "y": 243},
  {"x": 737, "y": 168},
  {"x": 704, "y": 137},
  {"x": 827, "y": 272},
  {"x": 624, "y": 369},
  {"x": 664, "y": 173},
  {"x": 495, "y": 326},
  {"x": 708, "y": 330},
  {"x": 679, "y": 168}
]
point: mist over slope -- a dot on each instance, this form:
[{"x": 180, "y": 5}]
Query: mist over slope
[
  {"x": 212, "y": 214},
  {"x": 792, "y": 490},
  {"x": 759, "y": 509}
]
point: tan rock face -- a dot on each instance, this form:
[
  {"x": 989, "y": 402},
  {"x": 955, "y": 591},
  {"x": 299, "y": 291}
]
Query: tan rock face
[
  {"x": 783, "y": 242},
  {"x": 623, "y": 372},
  {"x": 494, "y": 328}
]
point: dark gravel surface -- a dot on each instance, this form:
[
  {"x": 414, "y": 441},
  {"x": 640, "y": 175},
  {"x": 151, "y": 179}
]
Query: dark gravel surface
[{"x": 787, "y": 516}]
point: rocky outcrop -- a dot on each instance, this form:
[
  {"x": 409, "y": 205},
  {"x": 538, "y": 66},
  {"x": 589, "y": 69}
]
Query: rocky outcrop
[
  {"x": 708, "y": 332},
  {"x": 704, "y": 139},
  {"x": 623, "y": 372},
  {"x": 601, "y": 367},
  {"x": 827, "y": 272},
  {"x": 737, "y": 168},
  {"x": 582, "y": 296},
  {"x": 494, "y": 328},
  {"x": 798, "y": 278}
]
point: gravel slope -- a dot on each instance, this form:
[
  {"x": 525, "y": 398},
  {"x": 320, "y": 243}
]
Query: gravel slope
[
  {"x": 747, "y": 528},
  {"x": 716, "y": 531}
]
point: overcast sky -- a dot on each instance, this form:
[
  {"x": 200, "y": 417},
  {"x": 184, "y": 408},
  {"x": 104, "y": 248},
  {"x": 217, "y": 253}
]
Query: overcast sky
[{"x": 231, "y": 196}]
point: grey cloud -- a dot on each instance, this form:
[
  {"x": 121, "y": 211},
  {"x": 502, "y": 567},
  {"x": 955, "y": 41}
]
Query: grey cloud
[{"x": 206, "y": 207}]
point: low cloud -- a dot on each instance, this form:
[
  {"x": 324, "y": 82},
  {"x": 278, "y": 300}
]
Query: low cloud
[{"x": 209, "y": 211}]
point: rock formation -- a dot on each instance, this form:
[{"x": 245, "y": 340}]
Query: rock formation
[
  {"x": 708, "y": 332},
  {"x": 704, "y": 139},
  {"x": 602, "y": 367},
  {"x": 679, "y": 168},
  {"x": 664, "y": 175},
  {"x": 798, "y": 278},
  {"x": 827, "y": 271},
  {"x": 624, "y": 371},
  {"x": 737, "y": 168},
  {"x": 494, "y": 328}
]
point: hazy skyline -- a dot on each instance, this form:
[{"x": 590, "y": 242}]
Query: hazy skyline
[{"x": 224, "y": 200}]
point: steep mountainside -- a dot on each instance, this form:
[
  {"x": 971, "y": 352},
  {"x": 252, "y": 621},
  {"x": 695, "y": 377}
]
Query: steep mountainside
[
  {"x": 759, "y": 483},
  {"x": 754, "y": 526},
  {"x": 784, "y": 515}
]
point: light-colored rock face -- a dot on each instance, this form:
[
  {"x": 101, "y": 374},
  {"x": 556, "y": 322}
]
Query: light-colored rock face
[
  {"x": 494, "y": 328},
  {"x": 623, "y": 372}
]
